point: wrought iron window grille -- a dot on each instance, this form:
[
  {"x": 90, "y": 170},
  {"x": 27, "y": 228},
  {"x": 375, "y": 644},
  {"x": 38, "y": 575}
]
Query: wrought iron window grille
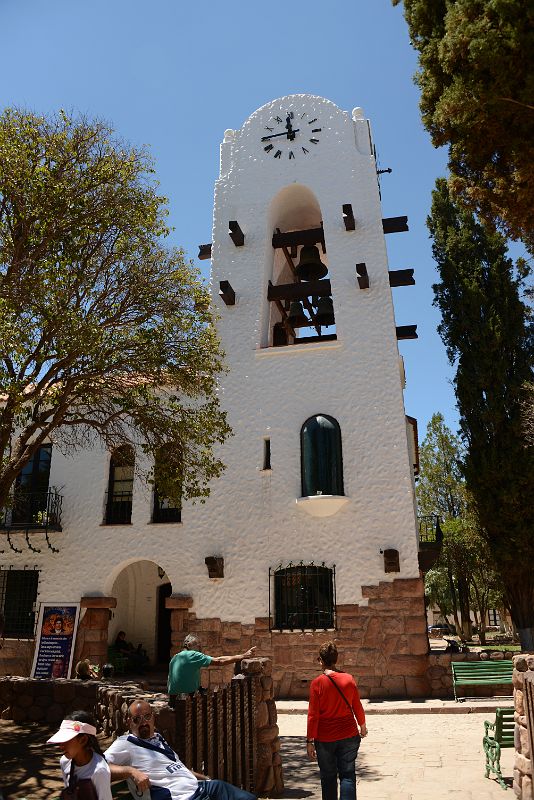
[
  {"x": 302, "y": 597},
  {"x": 18, "y": 602},
  {"x": 118, "y": 508}
]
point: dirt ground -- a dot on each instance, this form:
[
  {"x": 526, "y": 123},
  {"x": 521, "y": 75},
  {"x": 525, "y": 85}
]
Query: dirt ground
[{"x": 29, "y": 768}]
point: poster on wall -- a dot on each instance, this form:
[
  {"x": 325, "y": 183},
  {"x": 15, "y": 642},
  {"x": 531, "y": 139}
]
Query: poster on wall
[{"x": 54, "y": 641}]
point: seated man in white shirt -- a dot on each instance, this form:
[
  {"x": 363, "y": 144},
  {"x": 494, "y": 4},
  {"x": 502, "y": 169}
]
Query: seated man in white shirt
[{"x": 144, "y": 757}]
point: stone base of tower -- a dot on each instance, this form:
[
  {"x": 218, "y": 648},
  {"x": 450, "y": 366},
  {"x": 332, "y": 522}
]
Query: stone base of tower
[{"x": 382, "y": 643}]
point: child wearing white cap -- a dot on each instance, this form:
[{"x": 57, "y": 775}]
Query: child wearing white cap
[{"x": 82, "y": 762}]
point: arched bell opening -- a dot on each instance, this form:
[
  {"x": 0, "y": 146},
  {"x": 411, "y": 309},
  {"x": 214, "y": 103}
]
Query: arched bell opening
[
  {"x": 301, "y": 308},
  {"x": 141, "y": 588},
  {"x": 321, "y": 457}
]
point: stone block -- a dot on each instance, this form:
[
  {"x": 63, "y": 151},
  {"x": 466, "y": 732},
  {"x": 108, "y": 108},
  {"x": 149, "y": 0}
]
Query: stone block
[
  {"x": 182, "y": 601},
  {"x": 483, "y": 656},
  {"x": 371, "y": 591},
  {"x": 19, "y": 714},
  {"x": 526, "y": 788},
  {"x": 393, "y": 626},
  {"x": 25, "y": 700},
  {"x": 55, "y": 713},
  {"x": 498, "y": 655},
  {"x": 273, "y": 714},
  {"x": 520, "y": 663},
  {"x": 395, "y": 685},
  {"x": 262, "y": 715},
  {"x": 524, "y": 740},
  {"x": 417, "y": 644},
  {"x": 36, "y": 714},
  {"x": 408, "y": 666},
  {"x": 522, "y": 763},
  {"x": 417, "y": 686},
  {"x": 98, "y": 602},
  {"x": 265, "y": 780},
  {"x": 408, "y": 587},
  {"x": 415, "y": 625},
  {"x": 63, "y": 692},
  {"x": 43, "y": 701},
  {"x": 519, "y": 702}
]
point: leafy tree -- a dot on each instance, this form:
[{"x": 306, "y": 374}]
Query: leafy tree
[
  {"x": 441, "y": 491},
  {"x": 106, "y": 333},
  {"x": 488, "y": 333},
  {"x": 477, "y": 89},
  {"x": 437, "y": 591}
]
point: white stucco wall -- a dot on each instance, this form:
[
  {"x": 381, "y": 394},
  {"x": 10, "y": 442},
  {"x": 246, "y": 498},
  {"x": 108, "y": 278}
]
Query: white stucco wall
[{"x": 251, "y": 518}]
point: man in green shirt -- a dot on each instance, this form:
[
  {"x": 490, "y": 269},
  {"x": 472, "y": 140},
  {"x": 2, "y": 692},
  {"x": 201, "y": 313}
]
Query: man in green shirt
[{"x": 185, "y": 666}]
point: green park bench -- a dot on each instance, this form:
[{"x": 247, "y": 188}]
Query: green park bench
[
  {"x": 480, "y": 673},
  {"x": 497, "y": 735}
]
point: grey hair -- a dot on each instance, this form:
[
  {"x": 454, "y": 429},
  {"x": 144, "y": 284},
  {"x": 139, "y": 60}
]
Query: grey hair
[{"x": 190, "y": 640}]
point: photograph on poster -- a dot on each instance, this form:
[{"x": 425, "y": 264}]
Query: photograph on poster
[{"x": 54, "y": 648}]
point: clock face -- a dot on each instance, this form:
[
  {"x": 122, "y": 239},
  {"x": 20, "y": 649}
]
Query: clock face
[{"x": 291, "y": 134}]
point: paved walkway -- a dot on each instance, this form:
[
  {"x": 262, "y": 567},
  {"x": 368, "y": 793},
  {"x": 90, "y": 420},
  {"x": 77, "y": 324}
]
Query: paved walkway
[{"x": 405, "y": 757}]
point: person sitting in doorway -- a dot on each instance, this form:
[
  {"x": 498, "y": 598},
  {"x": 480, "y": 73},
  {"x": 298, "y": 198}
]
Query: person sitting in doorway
[
  {"x": 144, "y": 758},
  {"x": 137, "y": 657},
  {"x": 185, "y": 666}
]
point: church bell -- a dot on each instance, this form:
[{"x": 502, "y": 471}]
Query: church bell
[
  {"x": 325, "y": 312},
  {"x": 296, "y": 315},
  {"x": 310, "y": 266}
]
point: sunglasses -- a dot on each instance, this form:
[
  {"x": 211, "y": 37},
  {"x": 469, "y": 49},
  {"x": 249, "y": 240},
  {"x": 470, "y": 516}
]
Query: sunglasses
[{"x": 140, "y": 717}]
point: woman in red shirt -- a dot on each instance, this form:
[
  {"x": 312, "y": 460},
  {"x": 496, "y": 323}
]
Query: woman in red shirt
[{"x": 334, "y": 714}]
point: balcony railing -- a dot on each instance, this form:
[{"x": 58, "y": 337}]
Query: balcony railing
[
  {"x": 32, "y": 510},
  {"x": 118, "y": 509},
  {"x": 430, "y": 541},
  {"x": 429, "y": 529}
]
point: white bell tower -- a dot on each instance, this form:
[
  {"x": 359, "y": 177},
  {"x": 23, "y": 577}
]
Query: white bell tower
[{"x": 320, "y": 468}]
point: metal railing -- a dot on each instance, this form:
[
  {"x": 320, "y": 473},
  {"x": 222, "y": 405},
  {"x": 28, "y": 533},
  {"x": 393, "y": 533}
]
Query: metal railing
[
  {"x": 118, "y": 508},
  {"x": 216, "y": 732},
  {"x": 429, "y": 529},
  {"x": 39, "y": 510}
]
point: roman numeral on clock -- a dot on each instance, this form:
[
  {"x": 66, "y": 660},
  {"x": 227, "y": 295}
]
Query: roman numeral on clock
[
  {"x": 304, "y": 150},
  {"x": 314, "y": 141},
  {"x": 291, "y": 154},
  {"x": 278, "y": 154},
  {"x": 268, "y": 148}
]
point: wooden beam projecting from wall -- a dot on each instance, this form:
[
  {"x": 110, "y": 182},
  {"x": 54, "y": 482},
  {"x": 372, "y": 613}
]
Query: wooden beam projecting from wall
[
  {"x": 395, "y": 224},
  {"x": 298, "y": 291},
  {"x": 348, "y": 217},
  {"x": 363, "y": 277},
  {"x": 406, "y": 332},
  {"x": 227, "y": 293},
  {"x": 204, "y": 251},
  {"x": 401, "y": 277},
  {"x": 307, "y": 237},
  {"x": 236, "y": 234}
]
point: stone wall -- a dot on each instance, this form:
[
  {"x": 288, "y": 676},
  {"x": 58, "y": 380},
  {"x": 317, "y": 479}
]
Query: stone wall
[
  {"x": 523, "y": 757},
  {"x": 16, "y": 656},
  {"x": 440, "y": 674},
  {"x": 47, "y": 702},
  {"x": 382, "y": 642}
]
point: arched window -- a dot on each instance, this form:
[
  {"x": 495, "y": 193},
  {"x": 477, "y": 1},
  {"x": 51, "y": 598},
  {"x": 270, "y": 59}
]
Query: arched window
[
  {"x": 164, "y": 509},
  {"x": 321, "y": 458},
  {"x": 120, "y": 487},
  {"x": 304, "y": 597}
]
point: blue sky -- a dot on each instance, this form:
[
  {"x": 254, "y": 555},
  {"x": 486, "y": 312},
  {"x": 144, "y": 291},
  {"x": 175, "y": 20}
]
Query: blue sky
[{"x": 173, "y": 75}]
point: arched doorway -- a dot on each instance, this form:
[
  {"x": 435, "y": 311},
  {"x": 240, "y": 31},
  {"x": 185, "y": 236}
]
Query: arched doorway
[{"x": 140, "y": 589}]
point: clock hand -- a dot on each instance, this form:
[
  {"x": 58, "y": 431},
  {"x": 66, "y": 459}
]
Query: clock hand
[{"x": 285, "y": 133}]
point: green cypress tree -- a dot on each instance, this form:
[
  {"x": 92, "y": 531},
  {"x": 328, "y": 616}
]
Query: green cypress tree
[{"x": 488, "y": 333}]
